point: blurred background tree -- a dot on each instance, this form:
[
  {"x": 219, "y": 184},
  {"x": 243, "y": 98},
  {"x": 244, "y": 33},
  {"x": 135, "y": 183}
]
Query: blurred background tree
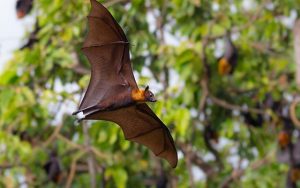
[{"x": 231, "y": 130}]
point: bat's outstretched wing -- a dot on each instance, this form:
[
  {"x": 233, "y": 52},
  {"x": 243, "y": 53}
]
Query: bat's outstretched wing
[
  {"x": 141, "y": 125},
  {"x": 107, "y": 50}
]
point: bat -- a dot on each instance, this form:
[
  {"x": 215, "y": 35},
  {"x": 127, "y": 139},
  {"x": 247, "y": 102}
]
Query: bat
[
  {"x": 211, "y": 136},
  {"x": 251, "y": 120},
  {"x": 284, "y": 139},
  {"x": 53, "y": 169},
  {"x": 293, "y": 176},
  {"x": 285, "y": 135},
  {"x": 227, "y": 63},
  {"x": 290, "y": 154},
  {"x": 295, "y": 173},
  {"x": 162, "y": 180},
  {"x": 292, "y": 157},
  {"x": 113, "y": 94},
  {"x": 23, "y": 7}
]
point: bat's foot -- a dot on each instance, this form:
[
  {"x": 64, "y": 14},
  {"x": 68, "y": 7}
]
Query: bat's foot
[
  {"x": 82, "y": 113},
  {"x": 79, "y": 115}
]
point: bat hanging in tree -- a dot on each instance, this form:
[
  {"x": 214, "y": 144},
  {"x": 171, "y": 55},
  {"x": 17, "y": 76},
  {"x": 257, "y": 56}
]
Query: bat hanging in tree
[
  {"x": 23, "y": 7},
  {"x": 227, "y": 63},
  {"x": 53, "y": 169},
  {"x": 113, "y": 94}
]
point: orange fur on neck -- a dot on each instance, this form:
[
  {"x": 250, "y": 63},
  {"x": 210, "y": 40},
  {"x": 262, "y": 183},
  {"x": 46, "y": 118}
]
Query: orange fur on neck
[
  {"x": 224, "y": 66},
  {"x": 138, "y": 95}
]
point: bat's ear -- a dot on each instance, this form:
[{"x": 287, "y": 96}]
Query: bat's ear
[{"x": 147, "y": 88}]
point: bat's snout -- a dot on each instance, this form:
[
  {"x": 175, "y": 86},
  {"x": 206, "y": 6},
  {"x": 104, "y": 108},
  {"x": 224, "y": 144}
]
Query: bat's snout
[{"x": 153, "y": 99}]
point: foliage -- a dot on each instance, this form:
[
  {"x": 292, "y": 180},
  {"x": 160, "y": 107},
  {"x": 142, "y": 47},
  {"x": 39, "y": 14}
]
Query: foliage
[{"x": 171, "y": 43}]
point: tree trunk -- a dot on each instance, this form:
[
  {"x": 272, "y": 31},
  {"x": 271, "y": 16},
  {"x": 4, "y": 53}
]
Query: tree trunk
[{"x": 297, "y": 50}]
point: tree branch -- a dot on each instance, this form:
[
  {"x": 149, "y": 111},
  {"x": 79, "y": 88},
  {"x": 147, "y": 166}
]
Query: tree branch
[
  {"x": 237, "y": 29},
  {"x": 80, "y": 147},
  {"x": 238, "y": 173},
  {"x": 297, "y": 50},
  {"x": 196, "y": 159},
  {"x": 189, "y": 166},
  {"x": 53, "y": 135},
  {"x": 73, "y": 169},
  {"x": 229, "y": 106},
  {"x": 293, "y": 115},
  {"x": 90, "y": 158},
  {"x": 112, "y": 2}
]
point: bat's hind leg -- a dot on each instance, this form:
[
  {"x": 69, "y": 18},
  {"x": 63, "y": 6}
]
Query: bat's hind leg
[
  {"x": 86, "y": 109},
  {"x": 89, "y": 110}
]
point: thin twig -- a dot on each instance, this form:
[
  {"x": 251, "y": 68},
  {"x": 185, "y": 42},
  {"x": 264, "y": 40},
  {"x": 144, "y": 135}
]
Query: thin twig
[
  {"x": 237, "y": 173},
  {"x": 297, "y": 50},
  {"x": 81, "y": 147},
  {"x": 293, "y": 112},
  {"x": 206, "y": 73},
  {"x": 53, "y": 135},
  {"x": 203, "y": 97},
  {"x": 229, "y": 106},
  {"x": 90, "y": 158},
  {"x": 73, "y": 169},
  {"x": 112, "y": 2},
  {"x": 237, "y": 29},
  {"x": 189, "y": 166},
  {"x": 196, "y": 159},
  {"x": 9, "y": 166}
]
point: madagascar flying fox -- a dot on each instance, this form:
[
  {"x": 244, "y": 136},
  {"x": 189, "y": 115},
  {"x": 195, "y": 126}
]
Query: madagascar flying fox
[
  {"x": 52, "y": 168},
  {"x": 113, "y": 94},
  {"x": 228, "y": 61}
]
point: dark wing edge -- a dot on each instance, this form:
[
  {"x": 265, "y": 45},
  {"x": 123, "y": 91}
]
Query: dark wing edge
[
  {"x": 140, "y": 124},
  {"x": 99, "y": 14},
  {"x": 98, "y": 10}
]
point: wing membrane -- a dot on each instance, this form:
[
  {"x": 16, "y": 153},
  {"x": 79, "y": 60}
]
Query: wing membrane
[
  {"x": 141, "y": 125},
  {"x": 104, "y": 75},
  {"x": 100, "y": 33},
  {"x": 99, "y": 11}
]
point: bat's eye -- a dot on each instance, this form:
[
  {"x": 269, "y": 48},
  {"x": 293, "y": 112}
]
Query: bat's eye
[{"x": 151, "y": 94}]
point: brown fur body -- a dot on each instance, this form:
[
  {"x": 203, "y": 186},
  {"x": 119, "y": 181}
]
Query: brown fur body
[
  {"x": 228, "y": 62},
  {"x": 124, "y": 98},
  {"x": 284, "y": 139}
]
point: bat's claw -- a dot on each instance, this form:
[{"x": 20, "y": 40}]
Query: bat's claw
[
  {"x": 79, "y": 115},
  {"x": 76, "y": 112}
]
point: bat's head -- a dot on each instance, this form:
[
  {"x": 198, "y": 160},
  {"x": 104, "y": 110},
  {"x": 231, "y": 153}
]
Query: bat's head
[
  {"x": 23, "y": 7},
  {"x": 149, "y": 96}
]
